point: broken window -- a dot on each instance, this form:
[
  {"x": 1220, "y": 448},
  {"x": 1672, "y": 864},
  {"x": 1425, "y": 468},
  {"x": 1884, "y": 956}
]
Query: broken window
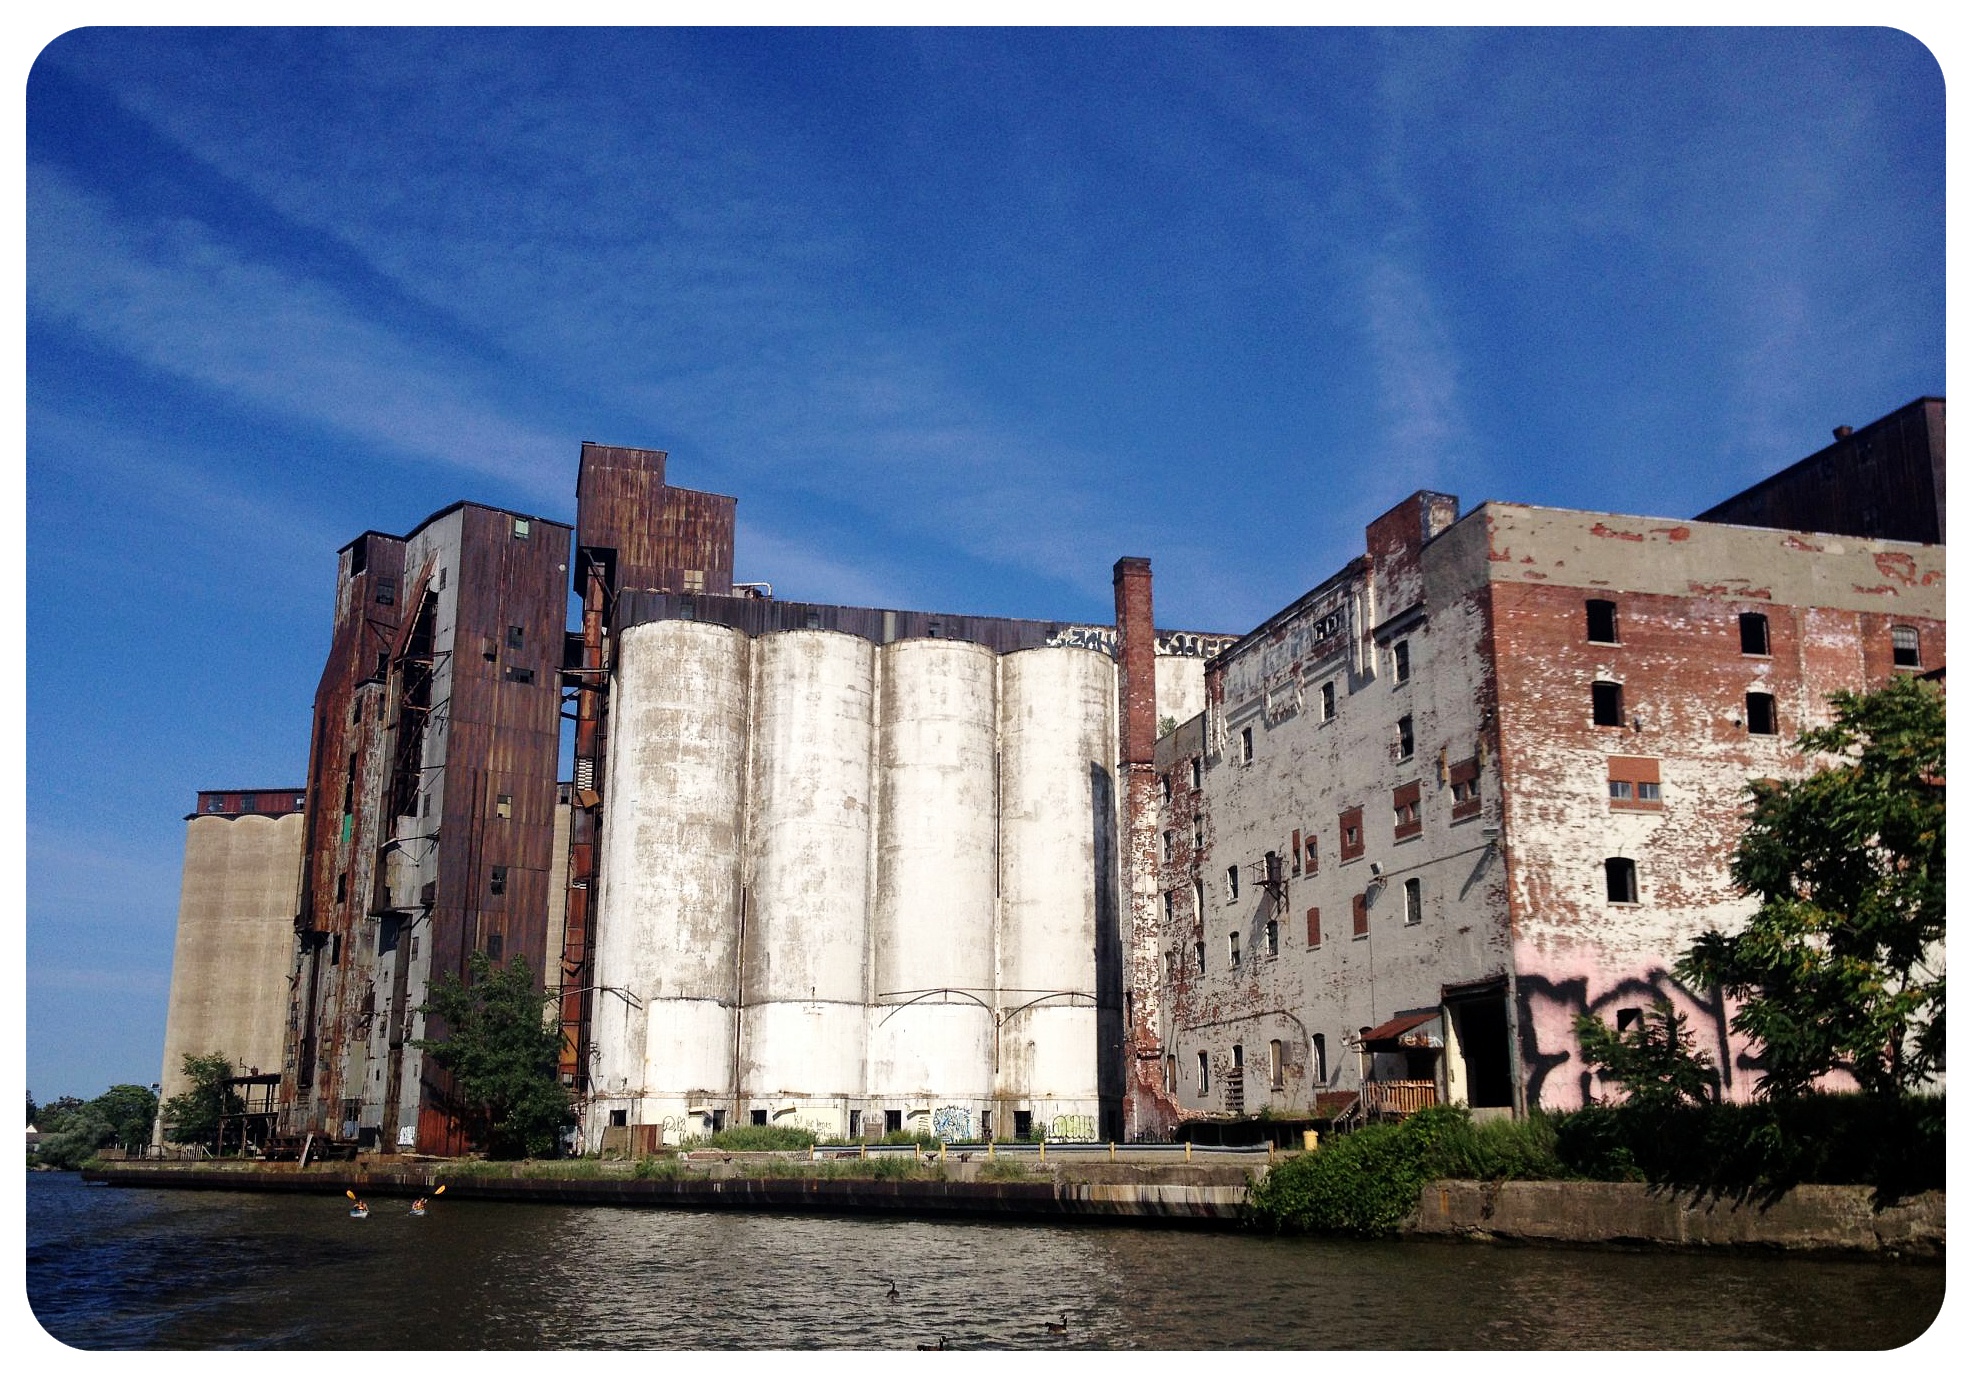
[
  {"x": 342, "y": 886},
  {"x": 1352, "y": 833},
  {"x": 1619, "y": 875},
  {"x": 359, "y": 555},
  {"x": 1232, "y": 949},
  {"x": 1170, "y": 844},
  {"x": 1204, "y": 1073},
  {"x": 1400, "y": 662},
  {"x": 1311, "y": 861},
  {"x": 1246, "y": 745},
  {"x": 1273, "y": 937},
  {"x": 1904, "y": 647},
  {"x": 1198, "y": 953},
  {"x": 619, "y": 1118},
  {"x": 1171, "y": 965},
  {"x": 516, "y": 675},
  {"x": 893, "y": 1121},
  {"x": 523, "y": 528},
  {"x": 1405, "y": 804},
  {"x": 812, "y": 621},
  {"x": 1633, "y": 782},
  {"x": 1761, "y": 719},
  {"x": 1602, "y": 621},
  {"x": 1606, "y": 702},
  {"x": 498, "y": 882},
  {"x": 1413, "y": 901},
  {"x": 1232, "y": 883},
  {"x": 1753, "y": 633},
  {"x": 1314, "y": 927},
  {"x": 515, "y": 637},
  {"x": 1318, "y": 1053},
  {"x": 1328, "y": 701},
  {"x": 1170, "y": 905},
  {"x": 387, "y": 592},
  {"x": 1197, "y": 773},
  {"x": 1164, "y": 790},
  {"x": 1359, "y": 915},
  {"x": 1406, "y": 738},
  {"x": 1276, "y": 1068}
]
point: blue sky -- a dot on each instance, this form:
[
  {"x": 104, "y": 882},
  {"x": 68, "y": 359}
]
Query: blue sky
[{"x": 959, "y": 317}]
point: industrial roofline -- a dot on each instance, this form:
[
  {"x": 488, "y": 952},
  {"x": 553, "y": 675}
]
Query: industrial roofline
[
  {"x": 443, "y": 512},
  {"x": 1840, "y": 440}
]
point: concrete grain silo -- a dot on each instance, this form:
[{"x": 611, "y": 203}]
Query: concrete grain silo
[
  {"x": 667, "y": 959},
  {"x": 933, "y": 982},
  {"x": 1057, "y": 877},
  {"x": 808, "y": 849}
]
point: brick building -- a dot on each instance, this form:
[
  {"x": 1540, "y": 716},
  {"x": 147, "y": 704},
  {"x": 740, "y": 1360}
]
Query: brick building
[{"x": 1486, "y": 778}]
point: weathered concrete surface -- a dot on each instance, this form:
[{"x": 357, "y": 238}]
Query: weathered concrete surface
[{"x": 1806, "y": 1218}]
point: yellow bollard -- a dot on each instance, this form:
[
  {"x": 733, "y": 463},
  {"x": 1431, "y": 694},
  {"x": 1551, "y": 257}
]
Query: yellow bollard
[
  {"x": 1112, "y": 1152},
  {"x": 1311, "y": 1140},
  {"x": 811, "y": 1152},
  {"x": 863, "y": 1150},
  {"x": 989, "y": 1149},
  {"x": 917, "y": 1151},
  {"x": 1187, "y": 1149},
  {"x": 941, "y": 1149},
  {"x": 1044, "y": 1149}
]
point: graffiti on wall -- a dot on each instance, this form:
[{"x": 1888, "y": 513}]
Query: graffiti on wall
[
  {"x": 1548, "y": 1009},
  {"x": 1073, "y": 1128},
  {"x": 951, "y": 1123}
]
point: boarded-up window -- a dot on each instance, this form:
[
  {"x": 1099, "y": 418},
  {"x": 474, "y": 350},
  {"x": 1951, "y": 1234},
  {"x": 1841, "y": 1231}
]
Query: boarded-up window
[
  {"x": 1634, "y": 782},
  {"x": 1314, "y": 927},
  {"x": 1311, "y": 855},
  {"x": 1359, "y": 915},
  {"x": 1464, "y": 779},
  {"x": 1404, "y": 804},
  {"x": 1295, "y": 852},
  {"x": 1352, "y": 833}
]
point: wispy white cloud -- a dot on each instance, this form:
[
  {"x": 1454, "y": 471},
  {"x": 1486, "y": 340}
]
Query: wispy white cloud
[
  {"x": 181, "y": 300},
  {"x": 1416, "y": 368}
]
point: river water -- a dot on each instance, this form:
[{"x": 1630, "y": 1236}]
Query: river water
[{"x": 118, "y": 1268}]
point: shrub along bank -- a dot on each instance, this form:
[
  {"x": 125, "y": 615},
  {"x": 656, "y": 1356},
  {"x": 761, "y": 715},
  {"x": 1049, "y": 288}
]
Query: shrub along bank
[{"x": 1367, "y": 1183}]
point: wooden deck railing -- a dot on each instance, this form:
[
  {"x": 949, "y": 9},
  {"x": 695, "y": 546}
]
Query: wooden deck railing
[{"x": 1395, "y": 1099}]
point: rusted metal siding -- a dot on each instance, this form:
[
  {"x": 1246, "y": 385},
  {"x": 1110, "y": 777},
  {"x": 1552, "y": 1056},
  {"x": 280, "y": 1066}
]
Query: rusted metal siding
[
  {"x": 1885, "y": 481},
  {"x": 236, "y": 803},
  {"x": 675, "y": 539},
  {"x": 759, "y": 616}
]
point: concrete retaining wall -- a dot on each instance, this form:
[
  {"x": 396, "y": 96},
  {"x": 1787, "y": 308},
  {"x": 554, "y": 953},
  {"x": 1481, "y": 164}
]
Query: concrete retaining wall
[{"x": 1806, "y": 1218}]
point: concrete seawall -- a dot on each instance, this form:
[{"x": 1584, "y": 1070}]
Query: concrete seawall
[{"x": 1832, "y": 1219}]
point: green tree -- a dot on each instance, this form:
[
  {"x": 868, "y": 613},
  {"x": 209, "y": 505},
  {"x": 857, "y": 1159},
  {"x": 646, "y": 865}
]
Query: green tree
[
  {"x": 1842, "y": 966},
  {"x": 130, "y": 1110},
  {"x": 194, "y": 1116},
  {"x": 502, "y": 1054},
  {"x": 33, "y": 1109},
  {"x": 1654, "y": 1060},
  {"x": 56, "y": 1113}
]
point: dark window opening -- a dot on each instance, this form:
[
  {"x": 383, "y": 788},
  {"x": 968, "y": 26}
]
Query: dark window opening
[
  {"x": 515, "y": 674},
  {"x": 1197, "y": 774},
  {"x": 1400, "y": 661},
  {"x": 1318, "y": 1054},
  {"x": 249, "y": 803},
  {"x": 619, "y": 1118},
  {"x": 1276, "y": 1068},
  {"x": 855, "y": 1123},
  {"x": 893, "y": 1121},
  {"x": 1023, "y": 1122},
  {"x": 342, "y": 887},
  {"x": 1232, "y": 882},
  {"x": 1328, "y": 702},
  {"x": 498, "y": 883},
  {"x": 1406, "y": 738},
  {"x": 759, "y": 1118},
  {"x": 359, "y": 556},
  {"x": 1619, "y": 875},
  {"x": 1753, "y": 633},
  {"x": 387, "y": 592},
  {"x": 1627, "y": 1019},
  {"x": 1413, "y": 901},
  {"x": 1232, "y": 949},
  {"x": 718, "y": 1121},
  {"x": 1198, "y": 954},
  {"x": 1904, "y": 647},
  {"x": 516, "y": 636},
  {"x": 1761, "y": 718},
  {"x": 1606, "y": 701},
  {"x": 1246, "y": 745},
  {"x": 1204, "y": 1072},
  {"x": 1273, "y": 937},
  {"x": 1602, "y": 621},
  {"x": 812, "y": 621},
  {"x": 494, "y": 946}
]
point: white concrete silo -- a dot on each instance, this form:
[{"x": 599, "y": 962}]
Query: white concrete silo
[
  {"x": 804, "y": 1028},
  {"x": 1057, "y": 840},
  {"x": 668, "y": 910},
  {"x": 931, "y": 1034}
]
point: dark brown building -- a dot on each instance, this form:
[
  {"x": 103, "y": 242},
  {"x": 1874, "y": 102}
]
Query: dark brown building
[{"x": 1885, "y": 481}]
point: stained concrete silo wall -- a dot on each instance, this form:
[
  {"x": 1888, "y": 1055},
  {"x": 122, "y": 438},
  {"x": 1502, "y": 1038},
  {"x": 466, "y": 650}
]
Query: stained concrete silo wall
[
  {"x": 235, "y": 945},
  {"x": 931, "y": 1038},
  {"x": 1057, "y": 821},
  {"x": 807, "y": 925},
  {"x": 669, "y": 909}
]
